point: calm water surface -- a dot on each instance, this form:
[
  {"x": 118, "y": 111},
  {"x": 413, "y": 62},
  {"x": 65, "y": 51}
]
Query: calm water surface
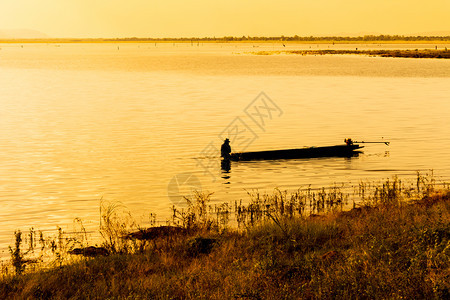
[{"x": 81, "y": 122}]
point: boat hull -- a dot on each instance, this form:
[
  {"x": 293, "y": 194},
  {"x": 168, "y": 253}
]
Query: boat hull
[{"x": 312, "y": 152}]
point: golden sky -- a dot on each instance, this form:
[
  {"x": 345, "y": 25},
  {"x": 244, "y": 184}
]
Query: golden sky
[{"x": 186, "y": 18}]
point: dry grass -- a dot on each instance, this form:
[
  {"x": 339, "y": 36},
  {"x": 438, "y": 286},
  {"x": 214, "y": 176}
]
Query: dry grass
[{"x": 395, "y": 246}]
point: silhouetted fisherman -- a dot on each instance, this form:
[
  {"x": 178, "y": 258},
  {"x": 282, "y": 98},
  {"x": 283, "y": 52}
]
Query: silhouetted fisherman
[
  {"x": 348, "y": 141},
  {"x": 225, "y": 150}
]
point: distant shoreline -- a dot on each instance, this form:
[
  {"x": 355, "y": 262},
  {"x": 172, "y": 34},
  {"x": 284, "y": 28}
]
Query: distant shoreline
[{"x": 382, "y": 39}]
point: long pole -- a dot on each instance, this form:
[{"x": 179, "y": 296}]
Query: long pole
[{"x": 362, "y": 142}]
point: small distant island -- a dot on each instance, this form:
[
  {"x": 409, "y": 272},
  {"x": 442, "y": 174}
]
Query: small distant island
[{"x": 423, "y": 53}]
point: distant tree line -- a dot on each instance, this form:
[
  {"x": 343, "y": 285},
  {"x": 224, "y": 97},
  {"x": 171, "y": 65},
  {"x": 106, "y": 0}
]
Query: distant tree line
[
  {"x": 294, "y": 38},
  {"x": 282, "y": 38}
]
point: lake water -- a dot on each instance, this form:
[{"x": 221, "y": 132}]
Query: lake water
[{"x": 140, "y": 124}]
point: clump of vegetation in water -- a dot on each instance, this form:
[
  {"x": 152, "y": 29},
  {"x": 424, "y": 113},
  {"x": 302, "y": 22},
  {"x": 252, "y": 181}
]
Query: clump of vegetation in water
[{"x": 396, "y": 244}]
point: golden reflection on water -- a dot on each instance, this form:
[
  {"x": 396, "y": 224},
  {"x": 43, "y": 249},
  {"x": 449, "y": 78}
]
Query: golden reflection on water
[{"x": 82, "y": 122}]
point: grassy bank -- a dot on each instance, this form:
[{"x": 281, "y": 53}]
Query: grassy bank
[
  {"x": 423, "y": 53},
  {"x": 395, "y": 245}
]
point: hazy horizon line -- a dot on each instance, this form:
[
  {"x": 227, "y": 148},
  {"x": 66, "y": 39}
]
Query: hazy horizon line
[{"x": 337, "y": 38}]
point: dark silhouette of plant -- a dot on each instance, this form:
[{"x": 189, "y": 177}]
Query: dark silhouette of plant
[{"x": 16, "y": 254}]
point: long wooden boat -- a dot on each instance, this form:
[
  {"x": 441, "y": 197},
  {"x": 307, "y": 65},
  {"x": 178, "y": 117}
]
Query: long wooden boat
[{"x": 311, "y": 152}]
